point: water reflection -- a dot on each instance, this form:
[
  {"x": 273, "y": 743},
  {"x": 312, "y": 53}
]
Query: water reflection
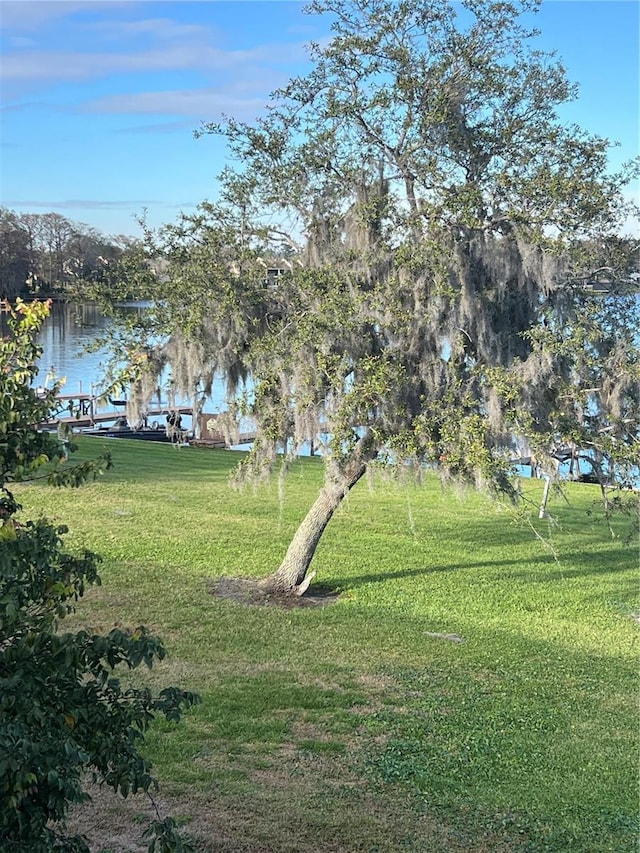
[
  {"x": 66, "y": 333},
  {"x": 64, "y": 337}
]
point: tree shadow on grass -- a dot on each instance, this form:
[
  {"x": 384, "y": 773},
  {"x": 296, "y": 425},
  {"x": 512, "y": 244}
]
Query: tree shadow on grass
[
  {"x": 253, "y": 592},
  {"x": 579, "y": 564},
  {"x": 351, "y": 581}
]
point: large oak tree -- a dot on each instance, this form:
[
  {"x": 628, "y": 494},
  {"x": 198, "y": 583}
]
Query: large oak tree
[{"x": 435, "y": 226}]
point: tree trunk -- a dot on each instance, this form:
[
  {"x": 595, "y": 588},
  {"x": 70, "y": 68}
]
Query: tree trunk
[{"x": 290, "y": 576}]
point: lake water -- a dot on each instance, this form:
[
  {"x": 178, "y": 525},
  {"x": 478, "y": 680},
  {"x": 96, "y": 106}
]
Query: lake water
[
  {"x": 64, "y": 337},
  {"x": 68, "y": 330}
]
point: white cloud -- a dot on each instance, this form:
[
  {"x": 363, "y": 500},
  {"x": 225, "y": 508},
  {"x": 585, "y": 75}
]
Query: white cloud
[
  {"x": 48, "y": 44},
  {"x": 239, "y": 99},
  {"x": 28, "y": 15},
  {"x": 38, "y": 70},
  {"x": 74, "y": 203},
  {"x": 159, "y": 28},
  {"x": 48, "y": 65}
]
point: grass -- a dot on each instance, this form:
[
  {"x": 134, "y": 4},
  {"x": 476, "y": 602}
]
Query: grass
[{"x": 351, "y": 727}]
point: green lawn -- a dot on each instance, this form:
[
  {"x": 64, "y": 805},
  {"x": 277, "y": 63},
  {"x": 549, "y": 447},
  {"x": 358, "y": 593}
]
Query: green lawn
[{"x": 351, "y": 727}]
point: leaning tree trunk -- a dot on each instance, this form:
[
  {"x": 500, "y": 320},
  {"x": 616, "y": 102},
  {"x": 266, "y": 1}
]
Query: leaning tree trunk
[{"x": 291, "y": 576}]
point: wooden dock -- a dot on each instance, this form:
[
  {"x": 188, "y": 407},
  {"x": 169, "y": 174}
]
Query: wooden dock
[
  {"x": 210, "y": 434},
  {"x": 84, "y": 411},
  {"x": 87, "y": 410}
]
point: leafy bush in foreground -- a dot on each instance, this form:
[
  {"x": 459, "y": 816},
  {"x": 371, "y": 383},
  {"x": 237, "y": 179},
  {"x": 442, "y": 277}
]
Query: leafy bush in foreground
[{"x": 63, "y": 712}]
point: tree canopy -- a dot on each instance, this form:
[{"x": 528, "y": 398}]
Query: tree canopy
[{"x": 435, "y": 229}]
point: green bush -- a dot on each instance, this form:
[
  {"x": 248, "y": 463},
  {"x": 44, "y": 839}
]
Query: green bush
[{"x": 63, "y": 712}]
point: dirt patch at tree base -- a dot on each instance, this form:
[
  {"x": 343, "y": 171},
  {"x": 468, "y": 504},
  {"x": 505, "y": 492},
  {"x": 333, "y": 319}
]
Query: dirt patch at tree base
[{"x": 255, "y": 592}]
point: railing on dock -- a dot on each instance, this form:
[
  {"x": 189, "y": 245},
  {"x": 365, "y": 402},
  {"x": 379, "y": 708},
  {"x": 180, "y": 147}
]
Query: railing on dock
[
  {"x": 84, "y": 411},
  {"x": 87, "y": 410}
]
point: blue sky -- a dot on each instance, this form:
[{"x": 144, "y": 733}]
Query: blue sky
[{"x": 100, "y": 98}]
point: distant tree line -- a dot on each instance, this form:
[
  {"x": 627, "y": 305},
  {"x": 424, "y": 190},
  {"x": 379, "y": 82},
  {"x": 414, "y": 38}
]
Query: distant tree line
[{"x": 45, "y": 253}]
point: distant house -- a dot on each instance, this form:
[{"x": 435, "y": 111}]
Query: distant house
[
  {"x": 276, "y": 267},
  {"x": 605, "y": 281}
]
